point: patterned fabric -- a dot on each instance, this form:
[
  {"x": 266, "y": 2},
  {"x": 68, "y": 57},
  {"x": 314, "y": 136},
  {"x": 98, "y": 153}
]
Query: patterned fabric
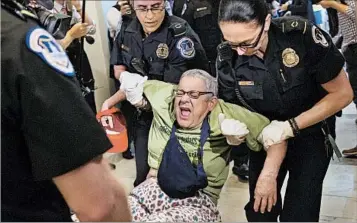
[
  {"x": 149, "y": 203},
  {"x": 348, "y": 24}
]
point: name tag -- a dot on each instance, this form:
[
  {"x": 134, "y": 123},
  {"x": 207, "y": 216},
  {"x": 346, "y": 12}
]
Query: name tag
[
  {"x": 246, "y": 83},
  {"x": 201, "y": 9}
]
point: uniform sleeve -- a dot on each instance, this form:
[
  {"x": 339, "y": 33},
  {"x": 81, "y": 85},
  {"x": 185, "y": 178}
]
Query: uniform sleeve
[
  {"x": 59, "y": 127},
  {"x": 254, "y": 121},
  {"x": 116, "y": 57},
  {"x": 325, "y": 59},
  {"x": 186, "y": 52}
]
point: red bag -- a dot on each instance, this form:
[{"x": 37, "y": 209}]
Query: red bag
[{"x": 114, "y": 125}]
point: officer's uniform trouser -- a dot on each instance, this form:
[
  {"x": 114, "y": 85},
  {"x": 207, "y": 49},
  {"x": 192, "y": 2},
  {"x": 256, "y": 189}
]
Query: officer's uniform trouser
[
  {"x": 142, "y": 128},
  {"x": 350, "y": 55},
  {"x": 240, "y": 154},
  {"x": 307, "y": 163}
]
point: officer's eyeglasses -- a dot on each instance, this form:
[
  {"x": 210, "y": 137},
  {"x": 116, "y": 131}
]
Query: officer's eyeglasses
[
  {"x": 234, "y": 46},
  {"x": 191, "y": 94},
  {"x": 154, "y": 9}
]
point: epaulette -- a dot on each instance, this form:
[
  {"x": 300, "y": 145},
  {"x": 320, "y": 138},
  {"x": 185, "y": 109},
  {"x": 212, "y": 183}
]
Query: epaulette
[
  {"x": 290, "y": 24},
  {"x": 178, "y": 29},
  {"x": 18, "y": 10}
]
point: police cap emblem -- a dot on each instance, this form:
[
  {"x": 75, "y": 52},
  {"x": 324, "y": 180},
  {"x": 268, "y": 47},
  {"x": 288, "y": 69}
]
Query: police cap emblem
[
  {"x": 162, "y": 51},
  {"x": 186, "y": 47},
  {"x": 290, "y": 58}
]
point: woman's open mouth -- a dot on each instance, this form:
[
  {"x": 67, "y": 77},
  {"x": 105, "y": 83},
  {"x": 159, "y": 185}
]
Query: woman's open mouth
[{"x": 184, "y": 113}]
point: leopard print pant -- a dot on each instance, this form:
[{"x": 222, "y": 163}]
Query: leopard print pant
[{"x": 149, "y": 203}]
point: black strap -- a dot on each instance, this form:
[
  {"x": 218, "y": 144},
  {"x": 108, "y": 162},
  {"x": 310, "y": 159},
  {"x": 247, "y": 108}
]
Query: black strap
[{"x": 205, "y": 132}]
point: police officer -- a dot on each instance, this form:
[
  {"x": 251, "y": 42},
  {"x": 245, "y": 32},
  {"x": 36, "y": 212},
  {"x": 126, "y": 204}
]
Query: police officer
[
  {"x": 51, "y": 143},
  {"x": 161, "y": 47},
  {"x": 289, "y": 71},
  {"x": 202, "y": 17}
]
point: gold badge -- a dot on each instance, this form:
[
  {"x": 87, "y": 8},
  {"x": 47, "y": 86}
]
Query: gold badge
[
  {"x": 290, "y": 58},
  {"x": 162, "y": 51}
]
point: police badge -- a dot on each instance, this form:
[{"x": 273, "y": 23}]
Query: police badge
[
  {"x": 162, "y": 51},
  {"x": 290, "y": 58}
]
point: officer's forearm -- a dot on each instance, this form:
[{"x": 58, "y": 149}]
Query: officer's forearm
[
  {"x": 66, "y": 41},
  {"x": 116, "y": 98},
  {"x": 275, "y": 156},
  {"x": 339, "y": 96}
]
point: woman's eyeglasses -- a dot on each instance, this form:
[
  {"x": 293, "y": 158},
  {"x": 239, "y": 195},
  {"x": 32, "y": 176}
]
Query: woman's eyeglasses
[
  {"x": 191, "y": 94},
  {"x": 154, "y": 10}
]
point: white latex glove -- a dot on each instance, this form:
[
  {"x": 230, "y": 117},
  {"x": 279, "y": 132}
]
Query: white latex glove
[
  {"x": 134, "y": 94},
  {"x": 130, "y": 80},
  {"x": 234, "y": 130},
  {"x": 275, "y": 133}
]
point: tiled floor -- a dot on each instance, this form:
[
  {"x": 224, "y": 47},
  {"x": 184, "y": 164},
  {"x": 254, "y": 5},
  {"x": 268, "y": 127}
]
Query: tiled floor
[{"x": 339, "y": 202}]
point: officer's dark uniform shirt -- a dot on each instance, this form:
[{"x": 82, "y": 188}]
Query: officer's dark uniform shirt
[
  {"x": 299, "y": 58},
  {"x": 47, "y": 129},
  {"x": 166, "y": 53},
  {"x": 202, "y": 15}
]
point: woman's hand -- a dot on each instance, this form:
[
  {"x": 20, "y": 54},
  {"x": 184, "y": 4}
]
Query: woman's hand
[
  {"x": 265, "y": 193},
  {"x": 78, "y": 30},
  {"x": 124, "y": 7}
]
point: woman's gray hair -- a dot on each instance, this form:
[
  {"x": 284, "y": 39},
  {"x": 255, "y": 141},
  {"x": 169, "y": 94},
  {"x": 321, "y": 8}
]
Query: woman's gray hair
[{"x": 210, "y": 82}]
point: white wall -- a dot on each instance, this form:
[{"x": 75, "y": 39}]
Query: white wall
[{"x": 98, "y": 53}]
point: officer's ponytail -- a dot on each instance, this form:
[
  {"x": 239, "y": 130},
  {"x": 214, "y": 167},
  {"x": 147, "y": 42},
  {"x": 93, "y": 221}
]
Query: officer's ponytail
[{"x": 243, "y": 11}]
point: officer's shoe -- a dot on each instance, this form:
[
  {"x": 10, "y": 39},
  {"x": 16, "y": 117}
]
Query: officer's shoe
[
  {"x": 350, "y": 152},
  {"x": 127, "y": 155},
  {"x": 241, "y": 172}
]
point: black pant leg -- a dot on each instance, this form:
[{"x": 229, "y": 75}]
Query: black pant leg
[
  {"x": 142, "y": 128},
  {"x": 240, "y": 154},
  {"x": 307, "y": 163},
  {"x": 256, "y": 164}
]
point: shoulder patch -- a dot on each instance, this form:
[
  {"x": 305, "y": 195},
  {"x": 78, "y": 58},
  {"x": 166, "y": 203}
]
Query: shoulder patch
[
  {"x": 319, "y": 37},
  {"x": 46, "y": 47},
  {"x": 186, "y": 47},
  {"x": 294, "y": 25}
]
